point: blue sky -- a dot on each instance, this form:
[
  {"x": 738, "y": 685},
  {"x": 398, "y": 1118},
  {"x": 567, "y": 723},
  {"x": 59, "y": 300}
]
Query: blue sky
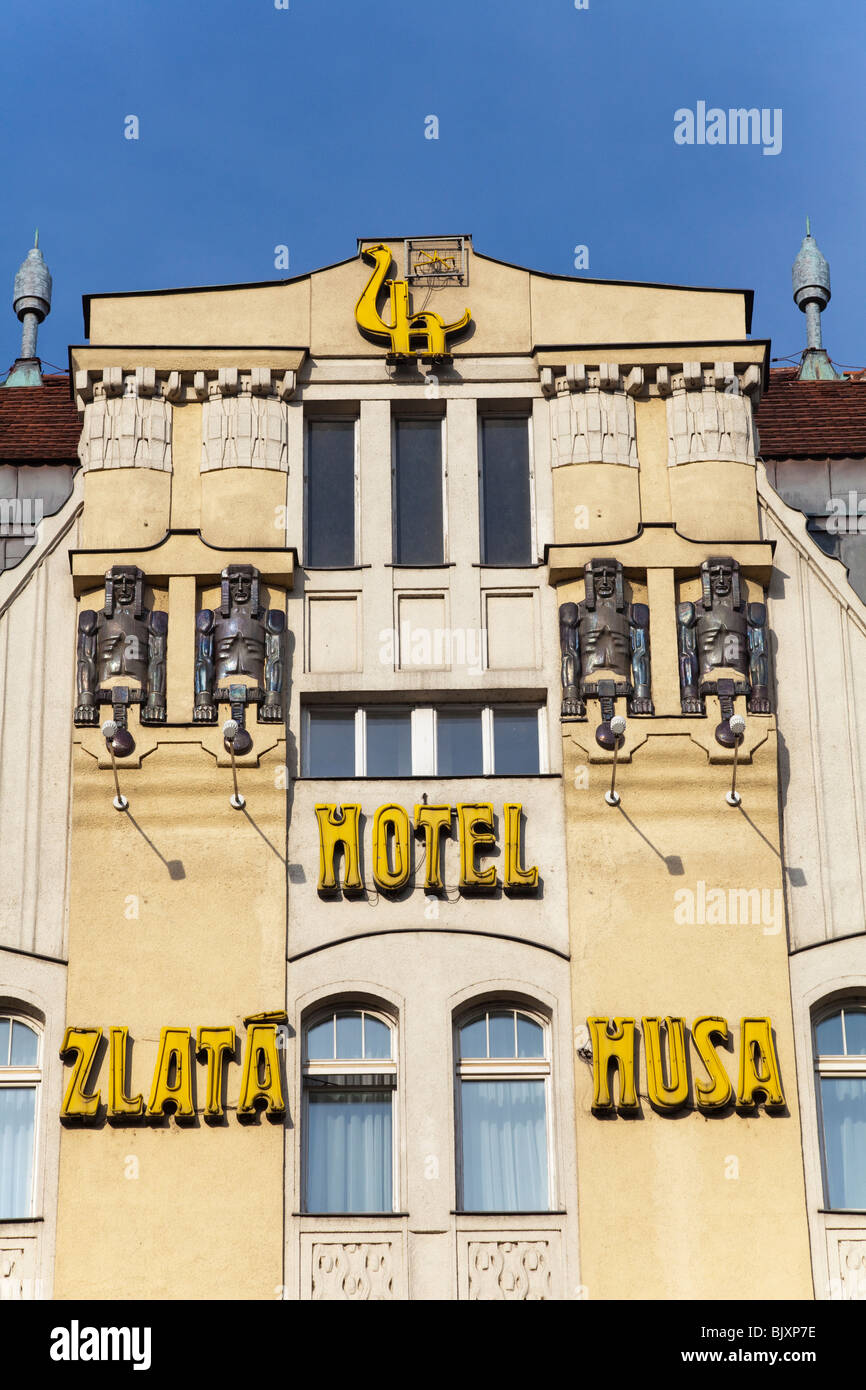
[{"x": 305, "y": 127}]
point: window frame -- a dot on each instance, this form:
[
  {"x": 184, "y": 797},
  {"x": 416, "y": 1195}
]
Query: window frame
[
  {"x": 424, "y": 736},
  {"x": 26, "y": 1078},
  {"x": 503, "y": 1069},
  {"x": 489, "y": 412},
  {"x": 373, "y": 1066},
  {"x": 399, "y": 417},
  {"x": 833, "y": 1065},
  {"x": 319, "y": 418}
]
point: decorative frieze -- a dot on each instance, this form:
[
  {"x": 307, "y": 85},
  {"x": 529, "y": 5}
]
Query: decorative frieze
[
  {"x": 592, "y": 415},
  {"x": 358, "y": 1272},
  {"x": 517, "y": 1270},
  {"x": 244, "y": 431},
  {"x": 709, "y": 412},
  {"x": 130, "y": 430}
]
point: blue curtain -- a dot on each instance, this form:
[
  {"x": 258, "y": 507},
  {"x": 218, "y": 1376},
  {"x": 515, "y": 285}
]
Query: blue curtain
[
  {"x": 349, "y": 1151},
  {"x": 843, "y": 1102},
  {"x": 17, "y": 1113},
  {"x": 504, "y": 1146}
]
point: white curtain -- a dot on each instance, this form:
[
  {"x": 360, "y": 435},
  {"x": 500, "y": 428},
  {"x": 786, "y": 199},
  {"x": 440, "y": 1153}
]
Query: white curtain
[
  {"x": 504, "y": 1146},
  {"x": 349, "y": 1151},
  {"x": 17, "y": 1112},
  {"x": 843, "y": 1102}
]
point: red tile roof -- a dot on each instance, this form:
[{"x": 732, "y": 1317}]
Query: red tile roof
[
  {"x": 39, "y": 422},
  {"x": 812, "y": 419}
]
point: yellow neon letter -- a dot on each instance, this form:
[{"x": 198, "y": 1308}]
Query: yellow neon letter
[
  {"x": 674, "y": 1093},
  {"x": 261, "y": 1071},
  {"x": 433, "y": 820},
  {"x": 476, "y": 828},
  {"x": 515, "y": 876},
  {"x": 84, "y": 1042},
  {"x": 216, "y": 1044},
  {"x": 759, "y": 1066},
  {"x": 119, "y": 1103},
  {"x": 335, "y": 831},
  {"x": 618, "y": 1047},
  {"x": 383, "y": 874},
  {"x": 174, "y": 1046},
  {"x": 718, "y": 1092}
]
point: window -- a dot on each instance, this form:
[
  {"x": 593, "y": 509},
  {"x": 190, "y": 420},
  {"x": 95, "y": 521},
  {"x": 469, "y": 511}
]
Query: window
[
  {"x": 503, "y": 1074},
  {"x": 418, "y": 495},
  {"x": 331, "y": 491},
  {"x": 349, "y": 1082},
  {"x": 424, "y": 741},
  {"x": 19, "y": 1084},
  {"x": 840, "y": 1065},
  {"x": 506, "y": 509}
]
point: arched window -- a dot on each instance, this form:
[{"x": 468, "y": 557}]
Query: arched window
[
  {"x": 349, "y": 1083},
  {"x": 19, "y": 1086},
  {"x": 840, "y": 1066},
  {"x": 503, "y": 1080}
]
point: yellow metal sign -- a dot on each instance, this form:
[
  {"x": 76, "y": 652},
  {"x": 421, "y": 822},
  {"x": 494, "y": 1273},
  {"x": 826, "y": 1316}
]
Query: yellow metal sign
[{"x": 424, "y": 334}]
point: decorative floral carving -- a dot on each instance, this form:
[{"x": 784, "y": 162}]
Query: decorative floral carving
[
  {"x": 852, "y": 1262},
  {"x": 507, "y": 1269},
  {"x": 358, "y": 1272}
]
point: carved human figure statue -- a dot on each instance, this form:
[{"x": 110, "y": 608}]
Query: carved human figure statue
[
  {"x": 240, "y": 638},
  {"x": 605, "y": 634},
  {"x": 124, "y": 639},
  {"x": 723, "y": 632}
]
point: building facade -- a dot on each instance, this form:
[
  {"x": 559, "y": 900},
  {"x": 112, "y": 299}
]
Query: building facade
[{"x": 424, "y": 810}]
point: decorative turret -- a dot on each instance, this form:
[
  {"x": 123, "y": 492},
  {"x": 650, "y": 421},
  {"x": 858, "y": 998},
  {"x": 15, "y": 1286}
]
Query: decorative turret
[
  {"x": 31, "y": 300},
  {"x": 810, "y": 276}
]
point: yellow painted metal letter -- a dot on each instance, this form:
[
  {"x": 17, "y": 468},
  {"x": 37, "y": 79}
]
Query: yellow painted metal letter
[
  {"x": 119, "y": 1103},
  {"x": 718, "y": 1093},
  {"x": 608, "y": 1047},
  {"x": 84, "y": 1042},
  {"x": 335, "y": 831},
  {"x": 384, "y": 875},
  {"x": 261, "y": 1071},
  {"x": 476, "y": 828},
  {"x": 216, "y": 1044},
  {"x": 515, "y": 876},
  {"x": 433, "y": 820},
  {"x": 670, "y": 1094},
  {"x": 174, "y": 1051},
  {"x": 759, "y": 1066}
]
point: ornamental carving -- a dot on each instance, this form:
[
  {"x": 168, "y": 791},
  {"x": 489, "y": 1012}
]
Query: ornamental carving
[
  {"x": 518, "y": 1270},
  {"x": 128, "y": 431},
  {"x": 240, "y": 638},
  {"x": 359, "y": 1272},
  {"x": 592, "y": 418},
  {"x": 709, "y": 418},
  {"x": 244, "y": 431},
  {"x": 852, "y": 1263}
]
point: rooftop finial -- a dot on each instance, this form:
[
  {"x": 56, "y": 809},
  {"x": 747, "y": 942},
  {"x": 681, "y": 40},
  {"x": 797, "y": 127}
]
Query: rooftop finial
[
  {"x": 811, "y": 283},
  {"x": 36, "y": 237},
  {"x": 31, "y": 300},
  {"x": 808, "y": 228}
]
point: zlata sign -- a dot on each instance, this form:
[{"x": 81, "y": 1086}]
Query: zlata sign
[
  {"x": 613, "y": 1042},
  {"x": 339, "y": 827},
  {"x": 172, "y": 1075}
]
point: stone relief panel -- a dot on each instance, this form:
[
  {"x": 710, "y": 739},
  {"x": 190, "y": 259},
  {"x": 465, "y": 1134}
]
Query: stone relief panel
[
  {"x": 244, "y": 431},
  {"x": 18, "y": 1269},
  {"x": 709, "y": 417},
  {"x": 592, "y": 419},
  {"x": 519, "y": 1270},
  {"x": 852, "y": 1266},
  {"x": 360, "y": 1272},
  {"x": 128, "y": 431}
]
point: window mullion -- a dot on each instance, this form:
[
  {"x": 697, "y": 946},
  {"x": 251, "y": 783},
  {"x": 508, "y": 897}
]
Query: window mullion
[{"x": 360, "y": 742}]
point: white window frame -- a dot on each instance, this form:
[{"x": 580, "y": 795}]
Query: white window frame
[
  {"x": 443, "y": 449},
  {"x": 493, "y": 414},
  {"x": 26, "y": 1078},
  {"x": 324, "y": 418},
  {"x": 424, "y": 736},
  {"x": 833, "y": 1065},
  {"x": 374, "y": 1066},
  {"x": 503, "y": 1069}
]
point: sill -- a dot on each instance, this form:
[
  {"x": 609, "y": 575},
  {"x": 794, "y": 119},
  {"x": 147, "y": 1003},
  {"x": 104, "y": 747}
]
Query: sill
[
  {"x": 509, "y": 565},
  {"x": 435, "y": 777},
  {"x": 510, "y": 1214},
  {"x": 20, "y": 1220},
  {"x": 842, "y": 1211},
  {"x": 409, "y": 565},
  {"x": 351, "y": 1215},
  {"x": 333, "y": 569}
]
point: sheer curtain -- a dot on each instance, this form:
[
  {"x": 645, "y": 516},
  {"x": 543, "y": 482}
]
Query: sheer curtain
[
  {"x": 504, "y": 1146},
  {"x": 17, "y": 1115},
  {"x": 349, "y": 1151},
  {"x": 843, "y": 1103}
]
